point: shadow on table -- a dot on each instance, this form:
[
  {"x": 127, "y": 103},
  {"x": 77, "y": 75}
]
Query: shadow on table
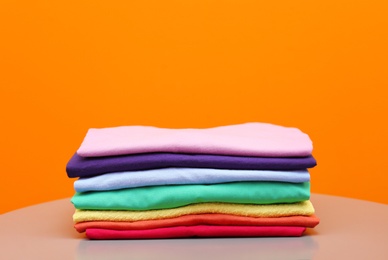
[{"x": 200, "y": 248}]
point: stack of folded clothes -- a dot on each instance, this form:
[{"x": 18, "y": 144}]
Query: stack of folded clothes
[{"x": 244, "y": 180}]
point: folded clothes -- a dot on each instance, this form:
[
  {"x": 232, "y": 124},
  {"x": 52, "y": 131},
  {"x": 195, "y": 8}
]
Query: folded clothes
[
  {"x": 201, "y": 219},
  {"x": 197, "y": 231},
  {"x": 172, "y": 196},
  {"x": 304, "y": 208},
  {"x": 174, "y": 176},
  {"x": 85, "y": 167},
  {"x": 250, "y": 139}
]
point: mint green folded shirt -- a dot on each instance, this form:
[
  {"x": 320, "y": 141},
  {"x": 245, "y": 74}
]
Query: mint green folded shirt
[{"x": 172, "y": 196}]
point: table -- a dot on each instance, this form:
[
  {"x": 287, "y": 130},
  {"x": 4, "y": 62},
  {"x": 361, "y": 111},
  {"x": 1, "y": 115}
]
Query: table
[{"x": 349, "y": 229}]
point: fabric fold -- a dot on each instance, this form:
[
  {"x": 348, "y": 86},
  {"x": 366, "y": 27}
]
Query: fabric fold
[
  {"x": 201, "y": 219},
  {"x": 183, "y": 176},
  {"x": 86, "y": 167},
  {"x": 197, "y": 231},
  {"x": 249, "y": 139},
  {"x": 172, "y": 196},
  {"x": 304, "y": 208}
]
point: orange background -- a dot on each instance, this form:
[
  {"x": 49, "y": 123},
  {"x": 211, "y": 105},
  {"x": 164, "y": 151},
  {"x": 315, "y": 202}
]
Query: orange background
[{"x": 67, "y": 66}]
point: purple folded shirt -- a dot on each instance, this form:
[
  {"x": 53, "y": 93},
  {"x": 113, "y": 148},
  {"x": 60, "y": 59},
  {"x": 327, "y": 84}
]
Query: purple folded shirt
[{"x": 86, "y": 167}]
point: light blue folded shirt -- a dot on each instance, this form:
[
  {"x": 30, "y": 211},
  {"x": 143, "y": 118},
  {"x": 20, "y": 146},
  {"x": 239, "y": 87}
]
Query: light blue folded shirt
[{"x": 179, "y": 176}]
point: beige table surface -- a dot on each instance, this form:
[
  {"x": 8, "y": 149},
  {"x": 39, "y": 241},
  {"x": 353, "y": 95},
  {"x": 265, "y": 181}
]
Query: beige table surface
[{"x": 349, "y": 229}]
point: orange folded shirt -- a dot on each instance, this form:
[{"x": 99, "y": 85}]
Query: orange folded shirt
[{"x": 201, "y": 219}]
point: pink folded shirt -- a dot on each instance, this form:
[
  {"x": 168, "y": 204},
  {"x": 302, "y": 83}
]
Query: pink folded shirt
[
  {"x": 249, "y": 139},
  {"x": 197, "y": 231}
]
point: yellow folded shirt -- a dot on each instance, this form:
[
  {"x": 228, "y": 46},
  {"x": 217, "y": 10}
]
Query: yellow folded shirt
[{"x": 304, "y": 208}]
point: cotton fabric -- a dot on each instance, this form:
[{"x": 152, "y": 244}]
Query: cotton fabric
[
  {"x": 197, "y": 231},
  {"x": 91, "y": 166},
  {"x": 172, "y": 196},
  {"x": 200, "y": 219},
  {"x": 250, "y": 139},
  {"x": 181, "y": 176},
  {"x": 304, "y": 208}
]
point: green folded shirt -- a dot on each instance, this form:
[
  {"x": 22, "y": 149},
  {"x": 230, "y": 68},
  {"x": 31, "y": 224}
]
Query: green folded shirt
[{"x": 172, "y": 196}]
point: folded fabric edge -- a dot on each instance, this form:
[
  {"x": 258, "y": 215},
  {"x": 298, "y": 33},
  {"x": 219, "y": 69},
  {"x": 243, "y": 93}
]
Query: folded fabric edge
[
  {"x": 304, "y": 208},
  {"x": 198, "y": 231},
  {"x": 200, "y": 219}
]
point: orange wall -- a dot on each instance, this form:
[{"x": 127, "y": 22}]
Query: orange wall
[{"x": 66, "y": 66}]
